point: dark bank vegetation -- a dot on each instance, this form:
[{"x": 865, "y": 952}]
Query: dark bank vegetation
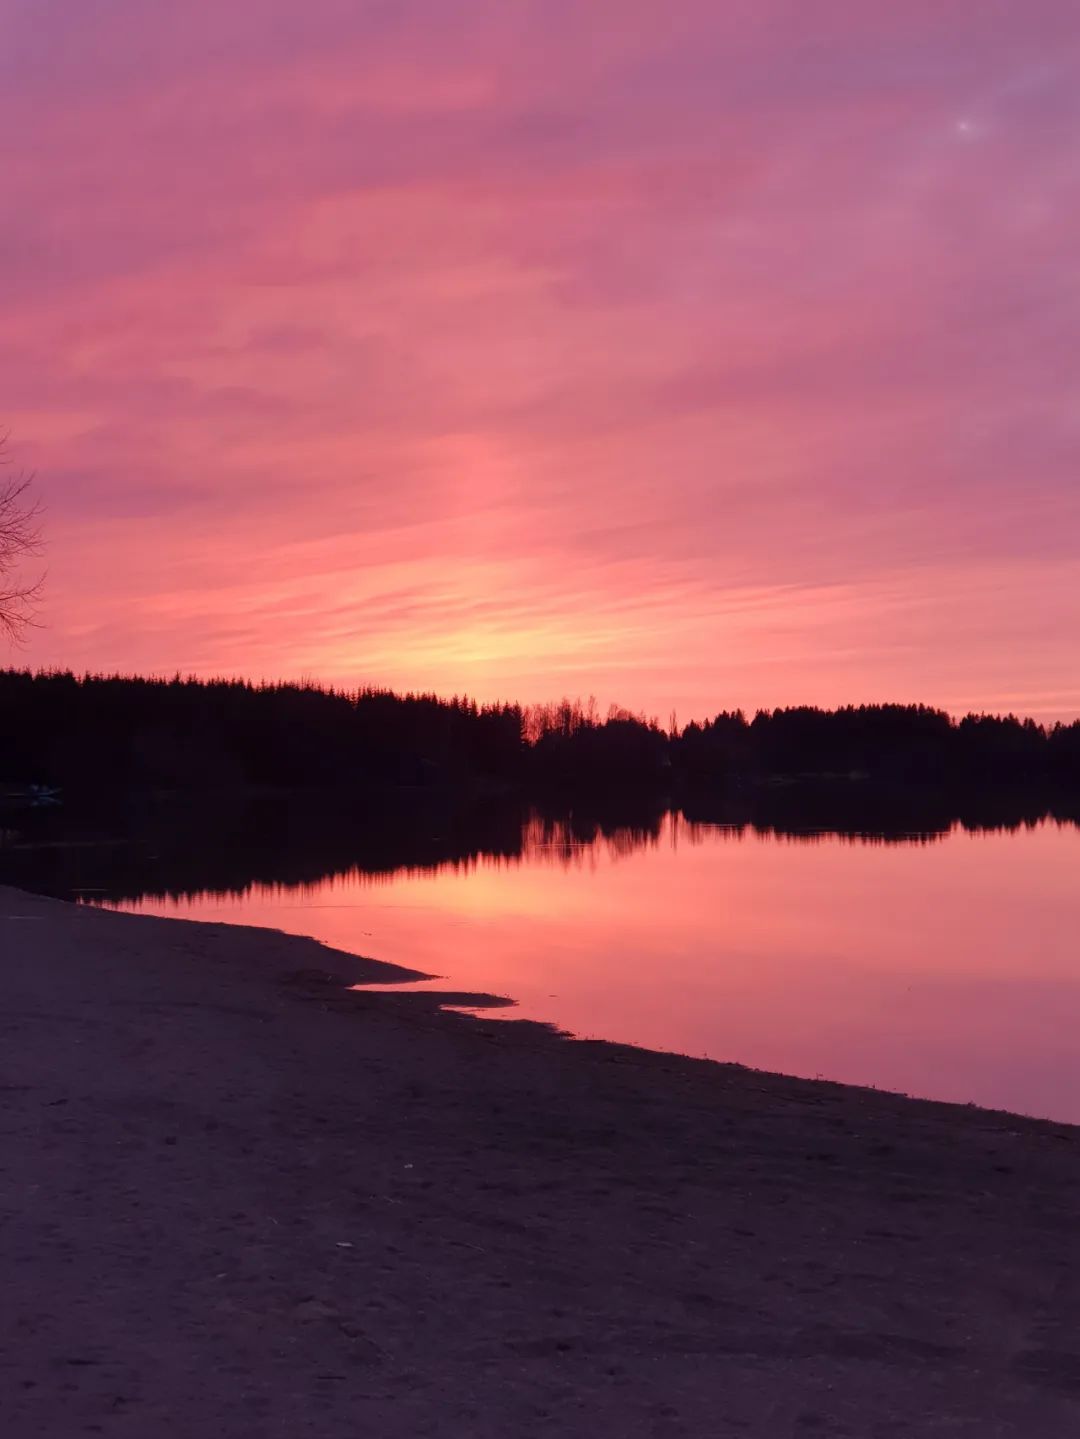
[
  {"x": 92, "y": 732},
  {"x": 180, "y": 787}
]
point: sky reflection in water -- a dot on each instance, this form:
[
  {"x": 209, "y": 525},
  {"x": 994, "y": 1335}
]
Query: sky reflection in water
[{"x": 945, "y": 969}]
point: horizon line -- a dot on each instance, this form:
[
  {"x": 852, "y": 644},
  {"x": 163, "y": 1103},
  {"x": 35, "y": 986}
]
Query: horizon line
[{"x": 322, "y": 686}]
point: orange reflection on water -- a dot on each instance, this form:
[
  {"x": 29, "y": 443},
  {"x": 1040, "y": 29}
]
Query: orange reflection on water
[{"x": 947, "y": 969}]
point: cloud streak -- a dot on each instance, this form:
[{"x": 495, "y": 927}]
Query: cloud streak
[{"x": 703, "y": 357}]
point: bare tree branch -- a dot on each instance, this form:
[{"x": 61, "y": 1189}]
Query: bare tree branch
[{"x": 20, "y": 538}]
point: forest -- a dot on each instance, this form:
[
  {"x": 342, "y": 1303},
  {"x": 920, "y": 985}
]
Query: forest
[{"x": 93, "y": 732}]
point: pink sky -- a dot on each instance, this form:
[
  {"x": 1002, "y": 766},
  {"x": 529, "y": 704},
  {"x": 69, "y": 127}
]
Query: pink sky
[{"x": 690, "y": 355}]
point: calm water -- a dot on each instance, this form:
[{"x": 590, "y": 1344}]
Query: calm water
[{"x": 943, "y": 966}]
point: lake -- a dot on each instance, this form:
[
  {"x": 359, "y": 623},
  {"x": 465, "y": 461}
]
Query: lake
[{"x": 942, "y": 964}]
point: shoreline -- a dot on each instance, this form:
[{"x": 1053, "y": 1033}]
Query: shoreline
[{"x": 241, "y": 1198}]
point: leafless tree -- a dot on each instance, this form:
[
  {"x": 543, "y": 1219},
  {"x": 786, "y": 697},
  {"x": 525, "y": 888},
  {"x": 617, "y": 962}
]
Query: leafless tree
[{"x": 20, "y": 537}]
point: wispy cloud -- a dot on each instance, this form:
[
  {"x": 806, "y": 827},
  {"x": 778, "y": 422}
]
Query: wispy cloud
[{"x": 707, "y": 355}]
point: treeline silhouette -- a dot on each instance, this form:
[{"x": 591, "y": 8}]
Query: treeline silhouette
[
  {"x": 81, "y": 733},
  {"x": 910, "y": 743},
  {"x": 76, "y": 732}
]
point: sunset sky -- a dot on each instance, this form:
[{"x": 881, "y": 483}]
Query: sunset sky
[{"x": 689, "y": 354}]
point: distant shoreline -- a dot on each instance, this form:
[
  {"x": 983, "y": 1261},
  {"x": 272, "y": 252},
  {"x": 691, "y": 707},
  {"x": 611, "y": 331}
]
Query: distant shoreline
[
  {"x": 63, "y": 731},
  {"x": 237, "y": 1190}
]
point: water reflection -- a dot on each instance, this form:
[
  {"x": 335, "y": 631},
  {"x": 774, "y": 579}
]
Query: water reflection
[
  {"x": 134, "y": 848},
  {"x": 928, "y": 950}
]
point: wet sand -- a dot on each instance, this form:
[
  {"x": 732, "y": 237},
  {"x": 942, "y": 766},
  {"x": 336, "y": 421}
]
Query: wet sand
[{"x": 240, "y": 1200}]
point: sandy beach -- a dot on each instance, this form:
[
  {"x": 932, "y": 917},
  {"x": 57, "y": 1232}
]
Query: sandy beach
[{"x": 240, "y": 1200}]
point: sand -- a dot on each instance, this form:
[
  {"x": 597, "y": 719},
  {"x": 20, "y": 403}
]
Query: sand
[{"x": 238, "y": 1200}]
